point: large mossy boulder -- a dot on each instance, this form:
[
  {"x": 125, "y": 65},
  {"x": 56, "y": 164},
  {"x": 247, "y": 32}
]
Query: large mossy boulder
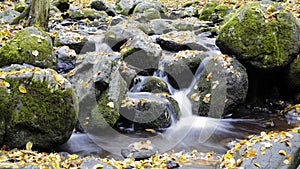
[
  {"x": 30, "y": 46},
  {"x": 38, "y": 105},
  {"x": 262, "y": 35},
  {"x": 221, "y": 84},
  {"x": 99, "y": 87}
]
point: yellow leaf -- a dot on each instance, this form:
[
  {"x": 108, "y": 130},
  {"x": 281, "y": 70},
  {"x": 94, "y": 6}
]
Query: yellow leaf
[
  {"x": 22, "y": 89},
  {"x": 29, "y": 145},
  {"x": 282, "y": 152},
  {"x": 98, "y": 166},
  {"x": 257, "y": 164},
  {"x": 59, "y": 78},
  {"x": 150, "y": 130}
]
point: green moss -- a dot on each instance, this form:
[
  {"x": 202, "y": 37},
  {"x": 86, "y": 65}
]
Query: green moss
[
  {"x": 104, "y": 115},
  {"x": 222, "y": 10},
  {"x": 251, "y": 36},
  {"x": 21, "y": 48},
  {"x": 39, "y": 115},
  {"x": 20, "y": 7},
  {"x": 207, "y": 10},
  {"x": 155, "y": 85}
]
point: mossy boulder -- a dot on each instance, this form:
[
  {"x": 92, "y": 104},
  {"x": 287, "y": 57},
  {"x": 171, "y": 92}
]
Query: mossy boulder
[
  {"x": 30, "y": 46},
  {"x": 146, "y": 5},
  {"x": 126, "y": 7},
  {"x": 263, "y": 36},
  {"x": 149, "y": 111},
  {"x": 207, "y": 10},
  {"x": 21, "y": 6},
  {"x": 220, "y": 86},
  {"x": 91, "y": 14},
  {"x": 38, "y": 105},
  {"x": 99, "y": 87},
  {"x": 141, "y": 52},
  {"x": 150, "y": 84},
  {"x": 147, "y": 15}
]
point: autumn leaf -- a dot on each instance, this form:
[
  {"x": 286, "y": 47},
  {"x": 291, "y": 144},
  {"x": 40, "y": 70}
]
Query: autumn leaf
[
  {"x": 22, "y": 89},
  {"x": 282, "y": 152},
  {"x": 257, "y": 164},
  {"x": 29, "y": 146}
]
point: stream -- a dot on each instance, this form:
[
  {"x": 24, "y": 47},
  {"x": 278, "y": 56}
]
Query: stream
[{"x": 191, "y": 132}]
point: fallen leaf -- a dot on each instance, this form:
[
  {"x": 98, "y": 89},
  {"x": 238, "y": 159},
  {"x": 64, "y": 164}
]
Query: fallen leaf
[
  {"x": 22, "y": 89},
  {"x": 257, "y": 164},
  {"x": 29, "y": 145},
  {"x": 35, "y": 53},
  {"x": 282, "y": 152}
]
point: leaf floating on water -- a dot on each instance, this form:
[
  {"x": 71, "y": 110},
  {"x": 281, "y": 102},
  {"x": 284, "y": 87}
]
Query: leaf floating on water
[
  {"x": 22, "y": 89},
  {"x": 29, "y": 145}
]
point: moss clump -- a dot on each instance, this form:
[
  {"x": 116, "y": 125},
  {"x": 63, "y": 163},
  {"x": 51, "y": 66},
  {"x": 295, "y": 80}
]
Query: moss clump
[
  {"x": 106, "y": 113},
  {"x": 20, "y": 7},
  {"x": 40, "y": 113},
  {"x": 207, "y": 10},
  {"x": 260, "y": 39},
  {"x": 30, "y": 46}
]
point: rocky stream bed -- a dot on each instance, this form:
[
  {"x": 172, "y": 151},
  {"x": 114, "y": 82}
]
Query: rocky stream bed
[{"x": 151, "y": 84}]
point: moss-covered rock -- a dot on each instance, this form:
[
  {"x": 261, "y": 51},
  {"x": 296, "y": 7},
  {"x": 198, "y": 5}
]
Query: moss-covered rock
[
  {"x": 147, "y": 15},
  {"x": 141, "y": 52},
  {"x": 20, "y": 7},
  {"x": 207, "y": 10},
  {"x": 154, "y": 85},
  {"x": 141, "y": 7},
  {"x": 91, "y": 14},
  {"x": 263, "y": 36},
  {"x": 31, "y": 46},
  {"x": 222, "y": 85},
  {"x": 126, "y": 7},
  {"x": 39, "y": 106}
]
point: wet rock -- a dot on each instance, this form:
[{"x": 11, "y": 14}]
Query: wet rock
[
  {"x": 117, "y": 35},
  {"x": 9, "y": 15},
  {"x": 30, "y": 46},
  {"x": 220, "y": 13},
  {"x": 190, "y": 24},
  {"x": 182, "y": 66},
  {"x": 139, "y": 150},
  {"x": 62, "y": 5},
  {"x": 147, "y": 15},
  {"x": 146, "y": 5},
  {"x": 179, "y": 40},
  {"x": 267, "y": 150},
  {"x": 161, "y": 26},
  {"x": 154, "y": 85},
  {"x": 91, "y": 14},
  {"x": 126, "y": 7},
  {"x": 101, "y": 5},
  {"x": 141, "y": 52},
  {"x": 148, "y": 111},
  {"x": 207, "y": 10},
  {"x": 222, "y": 85},
  {"x": 267, "y": 40},
  {"x": 38, "y": 105},
  {"x": 74, "y": 40},
  {"x": 65, "y": 59},
  {"x": 117, "y": 19},
  {"x": 293, "y": 74},
  {"x": 99, "y": 87},
  {"x": 128, "y": 72},
  {"x": 94, "y": 163}
]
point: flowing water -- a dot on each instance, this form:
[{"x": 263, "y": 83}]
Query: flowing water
[{"x": 190, "y": 132}]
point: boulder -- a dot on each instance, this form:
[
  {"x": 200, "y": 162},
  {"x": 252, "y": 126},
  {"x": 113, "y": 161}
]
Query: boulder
[
  {"x": 91, "y": 14},
  {"x": 264, "y": 36},
  {"x": 91, "y": 162},
  {"x": 147, "y": 15},
  {"x": 180, "y": 40},
  {"x": 117, "y": 35},
  {"x": 153, "y": 85},
  {"x": 30, "y": 46},
  {"x": 149, "y": 111},
  {"x": 146, "y": 5},
  {"x": 38, "y": 105},
  {"x": 99, "y": 87},
  {"x": 74, "y": 40},
  {"x": 161, "y": 26},
  {"x": 65, "y": 59},
  {"x": 221, "y": 84},
  {"x": 21, "y": 6},
  {"x": 182, "y": 66},
  {"x": 126, "y": 7},
  {"x": 101, "y": 5},
  {"x": 141, "y": 52},
  {"x": 62, "y": 5},
  {"x": 139, "y": 150},
  {"x": 267, "y": 150},
  {"x": 207, "y": 10}
]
